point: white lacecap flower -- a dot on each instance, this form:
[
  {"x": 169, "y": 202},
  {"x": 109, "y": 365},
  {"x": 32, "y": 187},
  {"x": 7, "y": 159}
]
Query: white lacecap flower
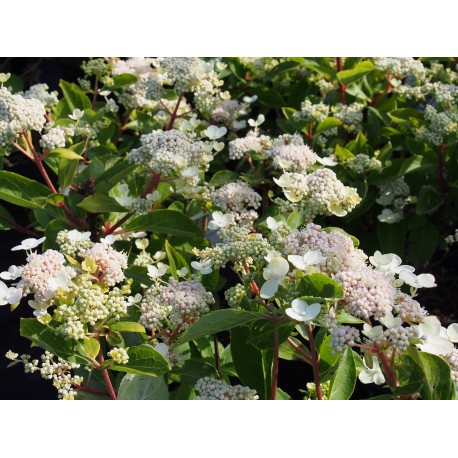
[
  {"x": 39, "y": 309},
  {"x": 326, "y": 161},
  {"x": 301, "y": 311},
  {"x": 452, "y": 332},
  {"x": 272, "y": 254},
  {"x": 139, "y": 235},
  {"x": 108, "y": 240},
  {"x": 76, "y": 115},
  {"x": 274, "y": 273},
  {"x": 218, "y": 146},
  {"x": 219, "y": 220},
  {"x": 214, "y": 132},
  {"x": 389, "y": 262},
  {"x": 156, "y": 272},
  {"x": 389, "y": 216},
  {"x": 131, "y": 300},
  {"x": 11, "y": 274},
  {"x": 9, "y": 295},
  {"x": 153, "y": 197},
  {"x": 182, "y": 272},
  {"x": 4, "y": 77},
  {"x": 77, "y": 236},
  {"x": 308, "y": 259},
  {"x": 162, "y": 348},
  {"x": 372, "y": 374},
  {"x": 435, "y": 337},
  {"x": 272, "y": 224},
  {"x": 417, "y": 281},
  {"x": 125, "y": 201},
  {"x": 390, "y": 321},
  {"x": 260, "y": 119},
  {"x": 142, "y": 244},
  {"x": 29, "y": 244},
  {"x": 204, "y": 267},
  {"x": 372, "y": 332},
  {"x": 159, "y": 255},
  {"x": 248, "y": 99},
  {"x": 59, "y": 282},
  {"x": 190, "y": 172}
]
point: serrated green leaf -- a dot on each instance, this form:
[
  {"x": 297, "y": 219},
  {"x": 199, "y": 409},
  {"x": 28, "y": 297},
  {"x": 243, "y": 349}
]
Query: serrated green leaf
[
  {"x": 216, "y": 321},
  {"x": 320, "y": 285},
  {"x": 101, "y": 203},
  {"x": 137, "y": 387},
  {"x": 143, "y": 360}
]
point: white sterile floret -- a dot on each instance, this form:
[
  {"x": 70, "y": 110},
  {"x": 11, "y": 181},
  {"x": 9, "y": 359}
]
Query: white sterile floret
[
  {"x": 108, "y": 240},
  {"x": 76, "y": 115},
  {"x": 273, "y": 224},
  {"x": 274, "y": 273},
  {"x": 182, "y": 272},
  {"x": 418, "y": 281},
  {"x": 308, "y": 259},
  {"x": 9, "y": 295},
  {"x": 204, "y": 267},
  {"x": 434, "y": 337},
  {"x": 156, "y": 272},
  {"x": 373, "y": 333},
  {"x": 10, "y": 354},
  {"x": 77, "y": 236},
  {"x": 372, "y": 374},
  {"x": 132, "y": 300},
  {"x": 301, "y": 311},
  {"x": 12, "y": 273},
  {"x": 214, "y": 132},
  {"x": 452, "y": 332},
  {"x": 389, "y": 216},
  {"x": 39, "y": 309},
  {"x": 219, "y": 220},
  {"x": 256, "y": 123},
  {"x": 389, "y": 262},
  {"x": 29, "y": 244}
]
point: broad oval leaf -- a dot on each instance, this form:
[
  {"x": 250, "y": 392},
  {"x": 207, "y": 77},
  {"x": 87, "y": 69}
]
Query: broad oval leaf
[
  {"x": 137, "y": 387},
  {"x": 344, "y": 379}
]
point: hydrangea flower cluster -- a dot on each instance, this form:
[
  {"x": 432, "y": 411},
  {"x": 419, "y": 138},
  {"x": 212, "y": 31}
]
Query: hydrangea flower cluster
[
  {"x": 318, "y": 193},
  {"x": 401, "y": 67},
  {"x": 19, "y": 114},
  {"x": 239, "y": 147},
  {"x": 176, "y": 303},
  {"x": 210, "y": 388},
  {"x": 394, "y": 194}
]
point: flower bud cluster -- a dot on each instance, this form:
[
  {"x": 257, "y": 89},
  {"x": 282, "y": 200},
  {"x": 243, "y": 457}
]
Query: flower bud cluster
[
  {"x": 179, "y": 302},
  {"x": 41, "y": 92},
  {"x": 18, "y": 114},
  {"x": 343, "y": 337},
  {"x": 228, "y": 112},
  {"x": 362, "y": 164},
  {"x": 409, "y": 309},
  {"x": 170, "y": 152},
  {"x": 312, "y": 112},
  {"x": 119, "y": 355},
  {"x": 210, "y": 388},
  {"x": 58, "y": 371},
  {"x": 252, "y": 142},
  {"x": 74, "y": 243},
  {"x": 350, "y": 115},
  {"x": 439, "y": 125},
  {"x": 56, "y": 137},
  {"x": 235, "y": 295},
  {"x": 289, "y": 153},
  {"x": 401, "y": 67},
  {"x": 236, "y": 197}
]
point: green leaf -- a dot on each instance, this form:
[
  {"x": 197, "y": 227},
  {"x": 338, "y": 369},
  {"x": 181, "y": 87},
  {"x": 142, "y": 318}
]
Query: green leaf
[
  {"x": 45, "y": 337},
  {"x": 429, "y": 200},
  {"x": 127, "y": 326},
  {"x": 91, "y": 346},
  {"x": 252, "y": 365},
  {"x": 328, "y": 123},
  {"x": 165, "y": 222},
  {"x": 114, "y": 175},
  {"x": 328, "y": 359},
  {"x": 63, "y": 153},
  {"x": 320, "y": 65},
  {"x": 417, "y": 164},
  {"x": 74, "y": 96},
  {"x": 343, "y": 153},
  {"x": 346, "y": 318},
  {"x": 296, "y": 219},
  {"x": 422, "y": 242},
  {"x": 139, "y": 274},
  {"x": 51, "y": 231},
  {"x": 392, "y": 237},
  {"x": 6, "y": 219},
  {"x": 219, "y": 320},
  {"x": 22, "y": 191},
  {"x": 320, "y": 285},
  {"x": 123, "y": 80},
  {"x": 223, "y": 177},
  {"x": 344, "y": 380},
  {"x": 270, "y": 97},
  {"x": 136, "y": 387},
  {"x": 192, "y": 370},
  {"x": 176, "y": 260},
  {"x": 262, "y": 333},
  {"x": 409, "y": 374},
  {"x": 361, "y": 69},
  {"x": 143, "y": 360},
  {"x": 101, "y": 203},
  {"x": 438, "y": 376}
]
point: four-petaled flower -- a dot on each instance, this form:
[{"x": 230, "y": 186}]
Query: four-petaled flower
[
  {"x": 274, "y": 273},
  {"x": 204, "y": 267},
  {"x": 29, "y": 244},
  {"x": 301, "y": 311},
  {"x": 219, "y": 220},
  {"x": 308, "y": 259},
  {"x": 213, "y": 132}
]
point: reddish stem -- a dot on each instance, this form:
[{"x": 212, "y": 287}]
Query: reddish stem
[
  {"x": 443, "y": 185},
  {"x": 299, "y": 350},
  {"x": 273, "y": 392},
  {"x": 342, "y": 88},
  {"x": 174, "y": 116},
  {"x": 91, "y": 390},
  {"x": 315, "y": 360},
  {"x": 105, "y": 374},
  {"x": 389, "y": 372}
]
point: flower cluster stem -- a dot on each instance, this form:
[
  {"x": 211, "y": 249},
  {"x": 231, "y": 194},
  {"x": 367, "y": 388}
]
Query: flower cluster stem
[{"x": 315, "y": 361}]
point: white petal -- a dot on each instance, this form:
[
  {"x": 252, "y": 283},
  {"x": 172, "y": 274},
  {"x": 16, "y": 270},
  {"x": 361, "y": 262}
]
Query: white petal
[
  {"x": 269, "y": 288},
  {"x": 297, "y": 261},
  {"x": 452, "y": 332},
  {"x": 313, "y": 257},
  {"x": 278, "y": 267},
  {"x": 436, "y": 346},
  {"x": 299, "y": 306},
  {"x": 430, "y": 326},
  {"x": 294, "y": 315},
  {"x": 426, "y": 281}
]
